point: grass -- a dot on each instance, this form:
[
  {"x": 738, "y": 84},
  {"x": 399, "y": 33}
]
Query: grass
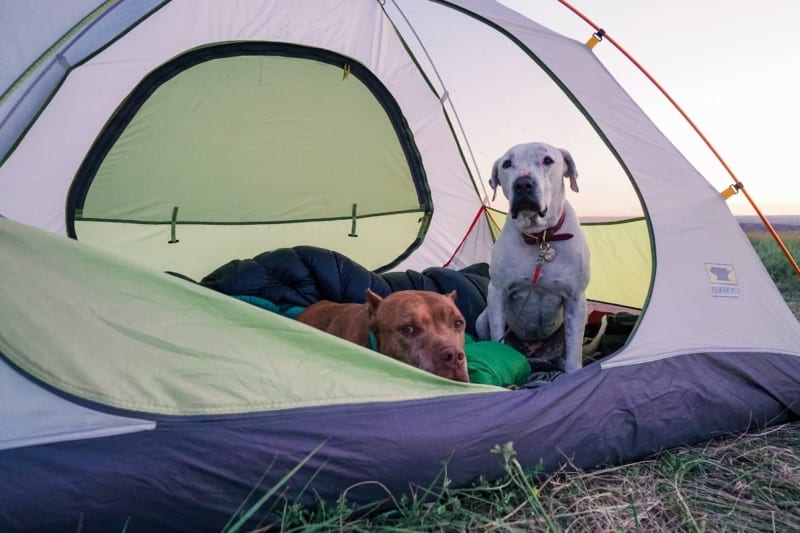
[
  {"x": 778, "y": 266},
  {"x": 743, "y": 483},
  {"x": 747, "y": 482}
]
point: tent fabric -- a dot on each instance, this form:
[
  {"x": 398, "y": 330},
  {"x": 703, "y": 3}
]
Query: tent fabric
[
  {"x": 143, "y": 390},
  {"x": 629, "y": 258},
  {"x": 205, "y": 101},
  {"x": 363, "y": 34},
  {"x": 152, "y": 244},
  {"x": 31, "y": 28},
  {"x": 611, "y": 420},
  {"x": 159, "y": 344},
  {"x": 44, "y": 417},
  {"x": 35, "y": 29},
  {"x": 185, "y": 114}
]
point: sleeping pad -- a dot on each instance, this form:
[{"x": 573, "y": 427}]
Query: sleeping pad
[{"x": 286, "y": 280}]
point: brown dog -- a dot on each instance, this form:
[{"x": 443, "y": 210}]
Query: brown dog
[{"x": 422, "y": 328}]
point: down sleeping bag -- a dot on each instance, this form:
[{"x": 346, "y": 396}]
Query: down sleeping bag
[{"x": 303, "y": 275}]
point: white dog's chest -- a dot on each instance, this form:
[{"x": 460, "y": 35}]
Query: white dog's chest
[
  {"x": 559, "y": 269},
  {"x": 533, "y": 312},
  {"x": 534, "y": 302}
]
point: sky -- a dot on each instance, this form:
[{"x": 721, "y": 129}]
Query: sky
[{"x": 732, "y": 66}]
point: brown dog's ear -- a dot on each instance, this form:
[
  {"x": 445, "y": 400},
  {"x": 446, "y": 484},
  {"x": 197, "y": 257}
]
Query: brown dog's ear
[
  {"x": 451, "y": 295},
  {"x": 570, "y": 171},
  {"x": 373, "y": 300},
  {"x": 493, "y": 181}
]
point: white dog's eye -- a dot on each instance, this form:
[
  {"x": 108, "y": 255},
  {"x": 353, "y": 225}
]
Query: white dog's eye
[
  {"x": 548, "y": 160},
  {"x": 506, "y": 163}
]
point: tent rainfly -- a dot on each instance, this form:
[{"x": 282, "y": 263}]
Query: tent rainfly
[{"x": 179, "y": 135}]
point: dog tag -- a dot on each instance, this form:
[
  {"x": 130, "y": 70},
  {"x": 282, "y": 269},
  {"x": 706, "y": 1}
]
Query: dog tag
[{"x": 548, "y": 255}]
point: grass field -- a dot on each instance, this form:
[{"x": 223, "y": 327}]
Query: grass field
[
  {"x": 748, "y": 482},
  {"x": 778, "y": 266}
]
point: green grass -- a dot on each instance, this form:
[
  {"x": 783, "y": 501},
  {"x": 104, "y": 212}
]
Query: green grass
[
  {"x": 778, "y": 265},
  {"x": 747, "y": 482},
  {"x": 741, "y": 483}
]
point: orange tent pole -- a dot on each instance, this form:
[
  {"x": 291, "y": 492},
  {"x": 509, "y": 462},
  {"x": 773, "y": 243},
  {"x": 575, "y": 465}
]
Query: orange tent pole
[{"x": 738, "y": 185}]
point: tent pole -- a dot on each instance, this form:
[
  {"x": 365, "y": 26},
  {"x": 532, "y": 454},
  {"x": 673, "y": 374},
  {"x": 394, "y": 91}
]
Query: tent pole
[{"x": 602, "y": 34}]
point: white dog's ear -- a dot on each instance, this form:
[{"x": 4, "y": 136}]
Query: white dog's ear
[
  {"x": 570, "y": 171},
  {"x": 494, "y": 182}
]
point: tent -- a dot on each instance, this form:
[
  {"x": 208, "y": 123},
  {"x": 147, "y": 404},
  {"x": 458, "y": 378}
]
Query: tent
[{"x": 178, "y": 135}]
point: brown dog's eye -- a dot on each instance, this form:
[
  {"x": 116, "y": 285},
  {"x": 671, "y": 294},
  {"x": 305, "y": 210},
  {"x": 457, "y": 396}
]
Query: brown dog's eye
[
  {"x": 506, "y": 163},
  {"x": 408, "y": 331},
  {"x": 548, "y": 160},
  {"x": 458, "y": 324}
]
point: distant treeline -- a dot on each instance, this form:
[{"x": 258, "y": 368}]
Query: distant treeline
[
  {"x": 781, "y": 223},
  {"x": 750, "y": 227}
]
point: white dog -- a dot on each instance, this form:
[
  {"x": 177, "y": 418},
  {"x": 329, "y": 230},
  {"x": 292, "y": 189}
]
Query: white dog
[{"x": 540, "y": 262}]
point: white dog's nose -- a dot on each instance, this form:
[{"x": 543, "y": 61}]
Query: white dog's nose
[{"x": 523, "y": 185}]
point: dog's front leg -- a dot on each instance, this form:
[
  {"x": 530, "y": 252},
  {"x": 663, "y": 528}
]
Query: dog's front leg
[
  {"x": 574, "y": 326},
  {"x": 496, "y": 311}
]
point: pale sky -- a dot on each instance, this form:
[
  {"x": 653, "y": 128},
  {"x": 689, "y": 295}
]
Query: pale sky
[{"x": 732, "y": 66}]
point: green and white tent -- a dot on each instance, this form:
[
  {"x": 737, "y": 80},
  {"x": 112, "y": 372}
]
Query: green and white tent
[{"x": 178, "y": 135}]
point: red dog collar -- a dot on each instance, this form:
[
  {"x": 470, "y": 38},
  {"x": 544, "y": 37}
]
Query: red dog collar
[{"x": 549, "y": 234}]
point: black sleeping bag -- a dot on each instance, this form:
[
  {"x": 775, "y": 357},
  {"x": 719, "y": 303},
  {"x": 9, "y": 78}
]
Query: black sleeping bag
[{"x": 302, "y": 275}]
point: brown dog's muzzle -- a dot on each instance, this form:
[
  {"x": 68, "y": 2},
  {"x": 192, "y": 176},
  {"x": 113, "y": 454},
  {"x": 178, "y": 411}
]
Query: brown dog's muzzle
[{"x": 452, "y": 364}]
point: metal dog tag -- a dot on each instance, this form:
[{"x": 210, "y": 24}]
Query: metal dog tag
[{"x": 549, "y": 254}]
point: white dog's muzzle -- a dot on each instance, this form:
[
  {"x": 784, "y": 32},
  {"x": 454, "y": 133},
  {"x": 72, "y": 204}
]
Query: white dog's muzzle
[{"x": 526, "y": 197}]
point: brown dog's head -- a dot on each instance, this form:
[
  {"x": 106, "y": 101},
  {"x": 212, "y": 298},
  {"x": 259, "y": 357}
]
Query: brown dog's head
[{"x": 422, "y": 328}]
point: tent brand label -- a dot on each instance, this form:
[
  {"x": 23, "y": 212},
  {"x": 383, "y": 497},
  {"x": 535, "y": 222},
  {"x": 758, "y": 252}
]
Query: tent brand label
[
  {"x": 725, "y": 291},
  {"x": 724, "y": 283}
]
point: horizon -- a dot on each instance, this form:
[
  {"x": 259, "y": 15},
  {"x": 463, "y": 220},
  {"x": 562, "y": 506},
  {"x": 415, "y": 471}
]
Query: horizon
[{"x": 791, "y": 219}]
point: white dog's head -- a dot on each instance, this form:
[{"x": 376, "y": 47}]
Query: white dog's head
[{"x": 531, "y": 178}]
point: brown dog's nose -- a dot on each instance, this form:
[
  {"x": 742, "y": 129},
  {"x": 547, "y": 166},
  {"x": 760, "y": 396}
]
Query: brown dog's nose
[
  {"x": 451, "y": 354},
  {"x": 453, "y": 364}
]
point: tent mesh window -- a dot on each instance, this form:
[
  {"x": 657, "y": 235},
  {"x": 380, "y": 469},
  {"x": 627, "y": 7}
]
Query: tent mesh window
[{"x": 232, "y": 149}]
